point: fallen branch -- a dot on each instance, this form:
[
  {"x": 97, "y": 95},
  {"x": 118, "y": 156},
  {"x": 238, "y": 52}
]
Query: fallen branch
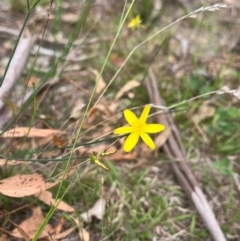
[
  {"x": 173, "y": 148},
  {"x": 13, "y": 75}
]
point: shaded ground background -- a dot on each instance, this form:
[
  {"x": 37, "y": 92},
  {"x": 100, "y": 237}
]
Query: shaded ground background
[{"x": 194, "y": 57}]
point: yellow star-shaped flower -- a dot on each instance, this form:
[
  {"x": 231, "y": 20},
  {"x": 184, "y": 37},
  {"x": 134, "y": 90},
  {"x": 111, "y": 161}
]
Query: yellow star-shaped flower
[
  {"x": 135, "y": 23},
  {"x": 138, "y": 128}
]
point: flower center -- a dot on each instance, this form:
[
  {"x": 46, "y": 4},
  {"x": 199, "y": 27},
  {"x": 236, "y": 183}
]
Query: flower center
[{"x": 138, "y": 126}]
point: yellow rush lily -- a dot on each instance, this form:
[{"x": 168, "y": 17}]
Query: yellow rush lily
[
  {"x": 135, "y": 23},
  {"x": 138, "y": 128}
]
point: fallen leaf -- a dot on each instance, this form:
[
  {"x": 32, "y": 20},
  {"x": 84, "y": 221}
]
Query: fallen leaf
[
  {"x": 162, "y": 137},
  {"x": 38, "y": 142},
  {"x": 62, "y": 235},
  {"x": 47, "y": 198},
  {"x": 30, "y": 132},
  {"x": 59, "y": 142},
  {"x": 6, "y": 162},
  {"x": 116, "y": 59},
  {"x": 95, "y": 148},
  {"x": 22, "y": 185},
  {"x": 83, "y": 234},
  {"x": 34, "y": 80},
  {"x": 59, "y": 226},
  {"x": 97, "y": 210},
  {"x": 120, "y": 155},
  {"x": 99, "y": 81},
  {"x": 57, "y": 231},
  {"x": 4, "y": 237},
  {"x": 127, "y": 87},
  {"x": 205, "y": 111},
  {"x": 97, "y": 111},
  {"x": 32, "y": 224},
  {"x": 113, "y": 106},
  {"x": 77, "y": 110},
  {"x": 69, "y": 17}
]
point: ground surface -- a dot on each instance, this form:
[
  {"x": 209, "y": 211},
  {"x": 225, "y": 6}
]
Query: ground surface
[{"x": 143, "y": 199}]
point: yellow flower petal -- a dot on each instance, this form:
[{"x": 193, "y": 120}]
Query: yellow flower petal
[
  {"x": 148, "y": 140},
  {"x": 135, "y": 22},
  {"x": 154, "y": 128},
  {"x": 123, "y": 130},
  {"x": 130, "y": 141},
  {"x": 145, "y": 113},
  {"x": 130, "y": 117}
]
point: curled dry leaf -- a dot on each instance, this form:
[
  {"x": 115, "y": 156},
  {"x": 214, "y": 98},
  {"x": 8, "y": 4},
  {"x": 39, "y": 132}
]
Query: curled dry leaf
[
  {"x": 30, "y": 132},
  {"x": 97, "y": 210},
  {"x": 127, "y": 87},
  {"x": 47, "y": 198}
]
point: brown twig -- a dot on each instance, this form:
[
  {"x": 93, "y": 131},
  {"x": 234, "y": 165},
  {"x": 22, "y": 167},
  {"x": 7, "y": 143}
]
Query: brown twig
[{"x": 174, "y": 149}]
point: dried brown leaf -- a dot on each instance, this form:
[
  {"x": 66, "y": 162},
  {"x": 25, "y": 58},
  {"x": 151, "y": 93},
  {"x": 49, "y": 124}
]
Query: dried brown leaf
[
  {"x": 162, "y": 137},
  {"x": 4, "y": 162},
  {"x": 47, "y": 198},
  {"x": 120, "y": 155},
  {"x": 23, "y": 185},
  {"x": 32, "y": 224},
  {"x": 77, "y": 110},
  {"x": 83, "y": 234},
  {"x": 59, "y": 142},
  {"x": 4, "y": 237},
  {"x": 33, "y": 132},
  {"x": 204, "y": 112},
  {"x": 61, "y": 235},
  {"x": 69, "y": 17},
  {"x": 127, "y": 87}
]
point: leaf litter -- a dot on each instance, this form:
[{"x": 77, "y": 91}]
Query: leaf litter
[
  {"x": 31, "y": 225},
  {"x": 100, "y": 112}
]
